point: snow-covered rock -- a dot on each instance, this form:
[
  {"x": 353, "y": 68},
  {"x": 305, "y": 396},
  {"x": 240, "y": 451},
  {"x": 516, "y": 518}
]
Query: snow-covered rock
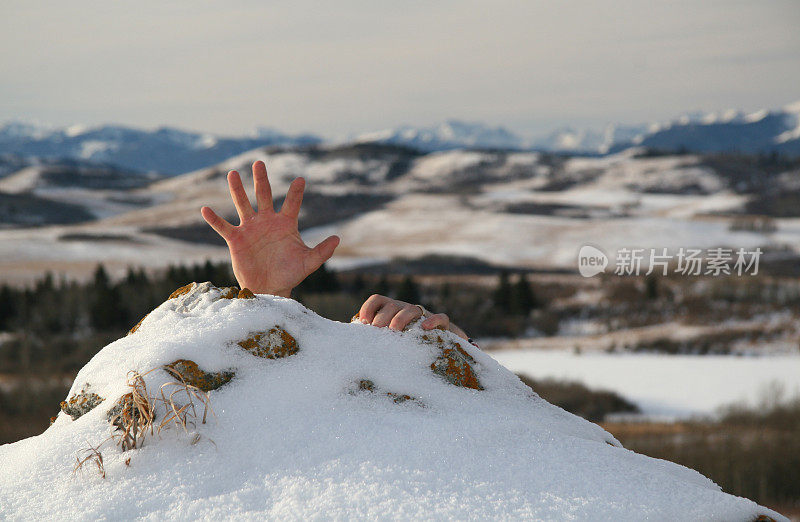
[{"x": 341, "y": 421}]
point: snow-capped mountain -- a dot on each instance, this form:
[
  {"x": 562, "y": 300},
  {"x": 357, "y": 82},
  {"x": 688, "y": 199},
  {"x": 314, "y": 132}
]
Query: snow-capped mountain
[
  {"x": 165, "y": 150},
  {"x": 761, "y": 132},
  {"x": 588, "y": 140},
  {"x": 452, "y": 134}
]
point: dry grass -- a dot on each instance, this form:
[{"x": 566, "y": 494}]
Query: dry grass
[
  {"x": 182, "y": 414},
  {"x": 93, "y": 456},
  {"x": 136, "y": 415},
  {"x": 178, "y": 405}
]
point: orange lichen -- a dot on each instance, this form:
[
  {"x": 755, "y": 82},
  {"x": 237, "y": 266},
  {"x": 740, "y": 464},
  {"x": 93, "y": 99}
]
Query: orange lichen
[
  {"x": 53, "y": 419},
  {"x": 245, "y": 293},
  {"x": 123, "y": 412},
  {"x": 229, "y": 293},
  {"x": 454, "y": 364},
  {"x": 190, "y": 373},
  {"x": 137, "y": 325},
  {"x": 80, "y": 404},
  {"x": 272, "y": 344},
  {"x": 181, "y": 291}
]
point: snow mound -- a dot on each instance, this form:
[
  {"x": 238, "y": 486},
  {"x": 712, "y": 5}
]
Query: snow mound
[{"x": 315, "y": 418}]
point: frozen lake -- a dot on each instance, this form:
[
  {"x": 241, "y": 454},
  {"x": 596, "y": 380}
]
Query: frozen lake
[{"x": 663, "y": 385}]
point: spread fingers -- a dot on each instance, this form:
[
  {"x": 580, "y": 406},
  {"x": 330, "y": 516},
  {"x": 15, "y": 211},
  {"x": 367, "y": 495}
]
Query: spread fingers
[
  {"x": 239, "y": 196},
  {"x": 222, "y": 227},
  {"x": 263, "y": 188},
  {"x": 294, "y": 198}
]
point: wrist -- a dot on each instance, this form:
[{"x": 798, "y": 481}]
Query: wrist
[{"x": 259, "y": 290}]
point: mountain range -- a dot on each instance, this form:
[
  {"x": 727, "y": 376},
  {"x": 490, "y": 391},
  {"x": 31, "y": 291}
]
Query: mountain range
[
  {"x": 165, "y": 150},
  {"x": 169, "y": 151}
]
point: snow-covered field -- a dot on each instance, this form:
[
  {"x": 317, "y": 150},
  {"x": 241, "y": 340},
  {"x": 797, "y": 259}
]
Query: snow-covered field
[
  {"x": 507, "y": 208},
  {"x": 671, "y": 386}
]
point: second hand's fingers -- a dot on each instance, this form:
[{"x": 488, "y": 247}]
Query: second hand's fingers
[
  {"x": 222, "y": 227},
  {"x": 385, "y": 314},
  {"x": 370, "y": 306},
  {"x": 294, "y": 198},
  {"x": 405, "y": 316},
  {"x": 263, "y": 188},
  {"x": 239, "y": 196},
  {"x": 436, "y": 321}
]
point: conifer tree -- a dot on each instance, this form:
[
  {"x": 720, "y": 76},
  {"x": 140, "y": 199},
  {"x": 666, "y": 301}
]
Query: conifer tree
[
  {"x": 502, "y": 294},
  {"x": 522, "y": 299},
  {"x": 408, "y": 290}
]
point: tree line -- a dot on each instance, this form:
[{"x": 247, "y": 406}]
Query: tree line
[{"x": 56, "y": 324}]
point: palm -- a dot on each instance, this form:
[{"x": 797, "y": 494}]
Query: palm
[{"x": 267, "y": 253}]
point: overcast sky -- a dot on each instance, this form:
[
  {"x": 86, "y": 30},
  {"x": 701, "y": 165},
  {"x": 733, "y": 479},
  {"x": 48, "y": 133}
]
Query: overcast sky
[{"x": 340, "y": 67}]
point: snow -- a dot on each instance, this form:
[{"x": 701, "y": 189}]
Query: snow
[
  {"x": 291, "y": 439},
  {"x": 450, "y": 134},
  {"x": 419, "y": 224},
  {"x": 439, "y": 164},
  {"x": 91, "y": 148},
  {"x": 677, "y": 386}
]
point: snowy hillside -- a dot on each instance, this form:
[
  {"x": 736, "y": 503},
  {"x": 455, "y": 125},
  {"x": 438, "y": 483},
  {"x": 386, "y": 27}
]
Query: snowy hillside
[
  {"x": 165, "y": 150},
  {"x": 509, "y": 208},
  {"x": 317, "y": 419}
]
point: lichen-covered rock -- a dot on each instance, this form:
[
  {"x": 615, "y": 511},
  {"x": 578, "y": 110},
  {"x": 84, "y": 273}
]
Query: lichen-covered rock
[
  {"x": 454, "y": 363},
  {"x": 137, "y": 325},
  {"x": 124, "y": 404},
  {"x": 190, "y": 373},
  {"x": 245, "y": 293},
  {"x": 369, "y": 386},
  {"x": 125, "y": 413},
  {"x": 80, "y": 404},
  {"x": 185, "y": 289},
  {"x": 230, "y": 292},
  {"x": 275, "y": 343}
]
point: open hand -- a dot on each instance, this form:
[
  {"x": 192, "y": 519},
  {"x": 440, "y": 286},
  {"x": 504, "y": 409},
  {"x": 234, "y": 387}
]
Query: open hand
[{"x": 267, "y": 253}]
